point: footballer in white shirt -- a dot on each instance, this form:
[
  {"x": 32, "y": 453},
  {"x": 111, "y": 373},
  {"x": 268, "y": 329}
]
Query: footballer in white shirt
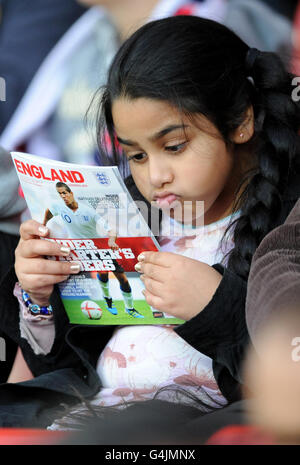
[{"x": 80, "y": 221}]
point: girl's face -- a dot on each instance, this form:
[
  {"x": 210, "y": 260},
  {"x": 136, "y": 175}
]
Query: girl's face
[{"x": 176, "y": 161}]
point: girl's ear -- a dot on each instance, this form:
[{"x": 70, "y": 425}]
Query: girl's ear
[{"x": 245, "y": 130}]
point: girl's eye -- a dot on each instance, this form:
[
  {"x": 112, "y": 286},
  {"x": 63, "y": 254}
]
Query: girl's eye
[
  {"x": 175, "y": 148},
  {"x": 138, "y": 157}
]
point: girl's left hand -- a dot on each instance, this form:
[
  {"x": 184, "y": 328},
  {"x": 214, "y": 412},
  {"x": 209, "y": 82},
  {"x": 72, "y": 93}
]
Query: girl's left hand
[{"x": 175, "y": 284}]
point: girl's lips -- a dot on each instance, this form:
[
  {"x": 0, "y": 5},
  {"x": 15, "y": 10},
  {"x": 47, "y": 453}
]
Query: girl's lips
[{"x": 166, "y": 201}]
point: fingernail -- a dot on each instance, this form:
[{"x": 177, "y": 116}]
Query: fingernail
[
  {"x": 75, "y": 267},
  {"x": 141, "y": 257},
  {"x": 65, "y": 250},
  {"x": 138, "y": 267},
  {"x": 43, "y": 230}
]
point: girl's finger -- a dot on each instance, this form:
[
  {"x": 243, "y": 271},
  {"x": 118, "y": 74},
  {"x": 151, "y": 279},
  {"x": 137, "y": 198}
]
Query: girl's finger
[
  {"x": 31, "y": 229},
  {"x": 156, "y": 258},
  {"x": 154, "y": 301},
  {"x": 40, "y": 266},
  {"x": 156, "y": 272},
  {"x": 38, "y": 283},
  {"x": 31, "y": 248},
  {"x": 154, "y": 287}
]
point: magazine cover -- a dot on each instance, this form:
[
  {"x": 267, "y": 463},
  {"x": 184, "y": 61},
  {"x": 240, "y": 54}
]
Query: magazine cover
[{"x": 89, "y": 210}]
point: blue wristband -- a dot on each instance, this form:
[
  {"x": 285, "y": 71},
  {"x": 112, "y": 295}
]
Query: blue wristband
[{"x": 34, "y": 308}]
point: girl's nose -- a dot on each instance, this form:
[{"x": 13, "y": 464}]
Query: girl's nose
[{"x": 160, "y": 172}]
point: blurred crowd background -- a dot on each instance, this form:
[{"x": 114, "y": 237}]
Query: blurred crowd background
[{"x": 54, "y": 55}]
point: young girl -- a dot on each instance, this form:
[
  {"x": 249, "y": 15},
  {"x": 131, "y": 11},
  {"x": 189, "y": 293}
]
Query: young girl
[{"x": 200, "y": 117}]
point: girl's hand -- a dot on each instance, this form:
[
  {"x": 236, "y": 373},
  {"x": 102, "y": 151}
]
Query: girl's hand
[
  {"x": 35, "y": 273},
  {"x": 175, "y": 284}
]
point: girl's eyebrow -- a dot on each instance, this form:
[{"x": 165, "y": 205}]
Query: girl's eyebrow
[
  {"x": 125, "y": 142},
  {"x": 168, "y": 129},
  {"x": 156, "y": 136}
]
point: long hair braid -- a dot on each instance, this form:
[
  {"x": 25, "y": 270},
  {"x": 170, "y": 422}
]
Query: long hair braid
[{"x": 277, "y": 121}]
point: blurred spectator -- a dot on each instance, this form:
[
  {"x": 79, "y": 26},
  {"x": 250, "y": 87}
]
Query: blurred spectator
[
  {"x": 50, "y": 120},
  {"x": 295, "y": 65},
  {"x": 11, "y": 207},
  {"x": 273, "y": 318},
  {"x": 273, "y": 375},
  {"x": 283, "y": 7},
  {"x": 28, "y": 30},
  {"x": 274, "y": 278},
  {"x": 264, "y": 24}
]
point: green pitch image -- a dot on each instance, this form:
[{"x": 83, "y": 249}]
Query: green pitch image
[{"x": 76, "y": 316}]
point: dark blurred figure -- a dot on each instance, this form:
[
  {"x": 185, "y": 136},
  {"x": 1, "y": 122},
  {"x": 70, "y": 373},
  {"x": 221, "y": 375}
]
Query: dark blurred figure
[
  {"x": 284, "y": 7},
  {"x": 28, "y": 31},
  {"x": 264, "y": 24},
  {"x": 295, "y": 62},
  {"x": 11, "y": 207}
]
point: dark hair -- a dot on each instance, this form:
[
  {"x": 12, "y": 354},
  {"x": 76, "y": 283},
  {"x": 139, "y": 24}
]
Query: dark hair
[
  {"x": 164, "y": 418},
  {"x": 62, "y": 184},
  {"x": 200, "y": 66}
]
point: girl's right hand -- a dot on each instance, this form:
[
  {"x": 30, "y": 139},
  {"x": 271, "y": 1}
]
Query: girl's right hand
[{"x": 35, "y": 273}]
